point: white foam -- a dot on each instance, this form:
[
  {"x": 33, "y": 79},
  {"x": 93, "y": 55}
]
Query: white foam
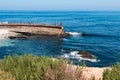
[
  {"x": 4, "y": 22},
  {"x": 3, "y": 33},
  {"x": 65, "y": 56},
  {"x": 91, "y": 60},
  {"x": 75, "y": 55},
  {"x": 62, "y": 50},
  {"x": 65, "y": 39},
  {"x": 5, "y": 42},
  {"x": 74, "y": 33}
]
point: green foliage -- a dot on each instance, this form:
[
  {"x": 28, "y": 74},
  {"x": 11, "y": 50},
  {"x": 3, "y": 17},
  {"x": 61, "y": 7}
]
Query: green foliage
[
  {"x": 29, "y": 67},
  {"x": 113, "y": 74}
]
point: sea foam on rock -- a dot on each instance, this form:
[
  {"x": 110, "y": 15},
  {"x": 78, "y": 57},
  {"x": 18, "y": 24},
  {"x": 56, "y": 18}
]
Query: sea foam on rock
[{"x": 80, "y": 55}]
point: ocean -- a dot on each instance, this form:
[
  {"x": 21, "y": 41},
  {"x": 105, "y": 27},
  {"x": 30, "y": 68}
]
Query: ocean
[{"x": 97, "y": 32}]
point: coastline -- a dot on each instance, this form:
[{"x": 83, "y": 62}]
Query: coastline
[{"x": 88, "y": 72}]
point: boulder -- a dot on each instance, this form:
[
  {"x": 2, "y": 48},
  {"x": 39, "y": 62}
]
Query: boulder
[{"x": 86, "y": 54}]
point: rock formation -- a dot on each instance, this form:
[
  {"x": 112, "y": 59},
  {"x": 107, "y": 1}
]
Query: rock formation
[{"x": 86, "y": 54}]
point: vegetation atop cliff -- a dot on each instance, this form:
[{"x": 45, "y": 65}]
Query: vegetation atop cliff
[
  {"x": 29, "y": 67},
  {"x": 113, "y": 74}
]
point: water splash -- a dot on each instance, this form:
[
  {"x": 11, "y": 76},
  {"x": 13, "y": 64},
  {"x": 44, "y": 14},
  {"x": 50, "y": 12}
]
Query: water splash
[
  {"x": 75, "y": 55},
  {"x": 75, "y": 33}
]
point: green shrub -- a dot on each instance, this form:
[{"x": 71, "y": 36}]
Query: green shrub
[
  {"x": 113, "y": 74},
  {"x": 29, "y": 67}
]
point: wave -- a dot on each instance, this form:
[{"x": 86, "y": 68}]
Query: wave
[
  {"x": 6, "y": 22},
  {"x": 66, "y": 39},
  {"x": 89, "y": 34},
  {"x": 96, "y": 35},
  {"x": 75, "y": 55},
  {"x": 75, "y": 33}
]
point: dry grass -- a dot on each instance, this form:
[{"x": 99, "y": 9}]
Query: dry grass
[
  {"x": 5, "y": 76},
  {"x": 28, "y": 67}
]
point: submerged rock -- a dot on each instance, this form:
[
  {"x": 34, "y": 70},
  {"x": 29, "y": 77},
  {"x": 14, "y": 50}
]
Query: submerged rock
[{"x": 86, "y": 54}]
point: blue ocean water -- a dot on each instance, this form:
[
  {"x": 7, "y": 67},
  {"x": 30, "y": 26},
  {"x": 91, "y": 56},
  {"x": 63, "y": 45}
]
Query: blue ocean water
[{"x": 97, "y": 32}]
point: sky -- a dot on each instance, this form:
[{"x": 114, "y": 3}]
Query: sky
[{"x": 110, "y": 5}]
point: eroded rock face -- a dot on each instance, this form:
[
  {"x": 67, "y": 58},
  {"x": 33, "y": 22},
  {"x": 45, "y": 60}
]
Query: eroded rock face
[{"x": 86, "y": 54}]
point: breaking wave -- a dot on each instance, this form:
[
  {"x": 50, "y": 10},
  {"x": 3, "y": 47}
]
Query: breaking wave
[
  {"x": 75, "y": 55},
  {"x": 75, "y": 33}
]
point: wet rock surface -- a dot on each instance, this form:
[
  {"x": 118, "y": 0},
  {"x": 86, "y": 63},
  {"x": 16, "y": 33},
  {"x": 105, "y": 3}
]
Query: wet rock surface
[{"x": 86, "y": 54}]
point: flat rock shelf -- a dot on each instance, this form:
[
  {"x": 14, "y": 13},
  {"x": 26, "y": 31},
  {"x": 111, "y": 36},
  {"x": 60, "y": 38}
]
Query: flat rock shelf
[{"x": 33, "y": 30}]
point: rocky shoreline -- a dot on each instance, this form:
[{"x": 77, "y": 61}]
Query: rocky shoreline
[{"x": 88, "y": 72}]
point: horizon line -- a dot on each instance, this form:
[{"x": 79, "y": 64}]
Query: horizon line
[{"x": 52, "y": 10}]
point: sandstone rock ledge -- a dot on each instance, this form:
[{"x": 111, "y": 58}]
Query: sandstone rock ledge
[
  {"x": 6, "y": 33},
  {"x": 34, "y": 29}
]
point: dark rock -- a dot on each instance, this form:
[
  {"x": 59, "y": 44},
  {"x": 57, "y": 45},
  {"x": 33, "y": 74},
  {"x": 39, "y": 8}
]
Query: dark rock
[
  {"x": 25, "y": 33},
  {"x": 18, "y": 37},
  {"x": 12, "y": 37},
  {"x": 86, "y": 54},
  {"x": 23, "y": 37}
]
